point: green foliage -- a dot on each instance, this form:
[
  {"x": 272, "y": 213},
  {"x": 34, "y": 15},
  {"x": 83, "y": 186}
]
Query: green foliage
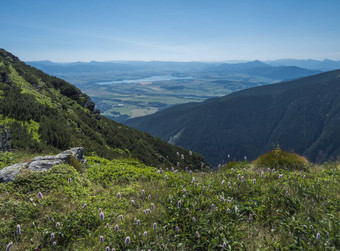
[
  {"x": 77, "y": 165},
  {"x": 279, "y": 159},
  {"x": 47, "y": 114},
  {"x": 287, "y": 212}
]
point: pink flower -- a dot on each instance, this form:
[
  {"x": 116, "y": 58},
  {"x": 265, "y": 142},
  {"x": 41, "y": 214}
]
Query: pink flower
[
  {"x": 40, "y": 195},
  {"x": 101, "y": 216},
  {"x": 155, "y": 226},
  {"x": 127, "y": 240}
]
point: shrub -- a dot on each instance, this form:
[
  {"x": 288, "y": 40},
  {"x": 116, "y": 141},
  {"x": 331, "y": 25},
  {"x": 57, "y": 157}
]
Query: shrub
[{"x": 279, "y": 159}]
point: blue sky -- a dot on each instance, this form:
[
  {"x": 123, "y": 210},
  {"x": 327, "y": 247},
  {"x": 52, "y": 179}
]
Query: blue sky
[{"x": 173, "y": 30}]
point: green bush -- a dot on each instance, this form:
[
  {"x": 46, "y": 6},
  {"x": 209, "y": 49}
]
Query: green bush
[{"x": 279, "y": 159}]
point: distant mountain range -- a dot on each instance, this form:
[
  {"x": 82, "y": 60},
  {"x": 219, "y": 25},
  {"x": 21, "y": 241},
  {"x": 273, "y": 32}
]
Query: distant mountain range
[
  {"x": 324, "y": 65},
  {"x": 301, "y": 115},
  {"x": 260, "y": 69}
]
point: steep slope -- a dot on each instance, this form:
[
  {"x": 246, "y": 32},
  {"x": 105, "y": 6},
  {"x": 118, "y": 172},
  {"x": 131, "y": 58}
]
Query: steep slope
[
  {"x": 301, "y": 115},
  {"x": 260, "y": 69},
  {"x": 47, "y": 114}
]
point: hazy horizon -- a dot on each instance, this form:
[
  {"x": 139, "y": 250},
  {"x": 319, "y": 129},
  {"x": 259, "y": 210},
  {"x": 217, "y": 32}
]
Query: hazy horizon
[{"x": 190, "y": 31}]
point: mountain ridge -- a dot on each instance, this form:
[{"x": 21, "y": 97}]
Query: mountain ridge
[
  {"x": 300, "y": 115},
  {"x": 46, "y": 113}
]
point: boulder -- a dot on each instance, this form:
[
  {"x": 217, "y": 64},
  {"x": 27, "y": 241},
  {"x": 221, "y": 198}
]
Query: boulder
[
  {"x": 9, "y": 173},
  {"x": 42, "y": 163}
]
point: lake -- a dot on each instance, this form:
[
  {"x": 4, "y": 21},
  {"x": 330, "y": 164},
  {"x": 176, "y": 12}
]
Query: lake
[{"x": 148, "y": 79}]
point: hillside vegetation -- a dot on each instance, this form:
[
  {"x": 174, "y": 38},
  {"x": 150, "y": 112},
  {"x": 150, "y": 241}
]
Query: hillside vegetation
[
  {"x": 126, "y": 205},
  {"x": 301, "y": 115},
  {"x": 47, "y": 114}
]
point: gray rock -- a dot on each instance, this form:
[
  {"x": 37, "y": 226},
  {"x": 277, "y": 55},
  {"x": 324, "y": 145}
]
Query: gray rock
[
  {"x": 42, "y": 163},
  {"x": 9, "y": 173}
]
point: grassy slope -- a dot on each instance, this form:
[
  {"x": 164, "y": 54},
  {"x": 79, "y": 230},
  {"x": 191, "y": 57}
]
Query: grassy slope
[
  {"x": 287, "y": 213},
  {"x": 47, "y": 114}
]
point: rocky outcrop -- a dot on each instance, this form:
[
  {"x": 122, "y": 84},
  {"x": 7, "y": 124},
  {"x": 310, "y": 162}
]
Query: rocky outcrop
[{"x": 42, "y": 163}]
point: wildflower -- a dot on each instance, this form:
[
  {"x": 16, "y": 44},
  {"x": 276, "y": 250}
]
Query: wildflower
[
  {"x": 176, "y": 171},
  {"x": 121, "y": 217},
  {"x": 100, "y": 210},
  {"x": 203, "y": 188},
  {"x": 166, "y": 177},
  {"x": 116, "y": 228},
  {"x": 177, "y": 229},
  {"x": 182, "y": 156},
  {"x": 304, "y": 176},
  {"x": 186, "y": 168},
  {"x": 232, "y": 200},
  {"x": 232, "y": 170},
  {"x": 107, "y": 225},
  {"x": 148, "y": 210},
  {"x": 143, "y": 192},
  {"x": 178, "y": 164},
  {"x": 101, "y": 239},
  {"x": 58, "y": 224},
  {"x": 273, "y": 171},
  {"x": 185, "y": 191},
  {"x": 40, "y": 195},
  {"x": 161, "y": 171},
  {"x": 190, "y": 172},
  {"x": 84, "y": 206},
  {"x": 155, "y": 226},
  {"x": 268, "y": 170},
  {"x": 145, "y": 233},
  {"x": 224, "y": 245},
  {"x": 262, "y": 174},
  {"x": 113, "y": 249},
  {"x": 194, "y": 219},
  {"x": 221, "y": 227},
  {"x": 107, "y": 248},
  {"x": 167, "y": 169},
  {"x": 242, "y": 178},
  {"x": 135, "y": 220},
  {"x": 52, "y": 236},
  {"x": 318, "y": 236},
  {"x": 254, "y": 181},
  {"x": 9, "y": 246},
  {"x": 280, "y": 176},
  {"x": 244, "y": 171},
  {"x": 250, "y": 217},
  {"x": 219, "y": 166},
  {"x": 152, "y": 206},
  {"x": 179, "y": 203},
  {"x": 69, "y": 180},
  {"x": 52, "y": 220},
  {"x": 138, "y": 222},
  {"x": 54, "y": 243},
  {"x": 193, "y": 180},
  {"x": 197, "y": 234},
  {"x": 229, "y": 184},
  {"x": 245, "y": 158},
  {"x": 158, "y": 172},
  {"x": 190, "y": 153},
  {"x": 177, "y": 153},
  {"x": 222, "y": 199},
  {"x": 212, "y": 206},
  {"x": 101, "y": 216},
  {"x": 127, "y": 240},
  {"x": 187, "y": 210},
  {"x": 132, "y": 202},
  {"x": 222, "y": 182},
  {"x": 149, "y": 197},
  {"x": 228, "y": 156},
  {"x": 144, "y": 212},
  {"x": 234, "y": 184},
  {"x": 118, "y": 195},
  {"x": 18, "y": 230},
  {"x": 239, "y": 176},
  {"x": 202, "y": 165}
]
